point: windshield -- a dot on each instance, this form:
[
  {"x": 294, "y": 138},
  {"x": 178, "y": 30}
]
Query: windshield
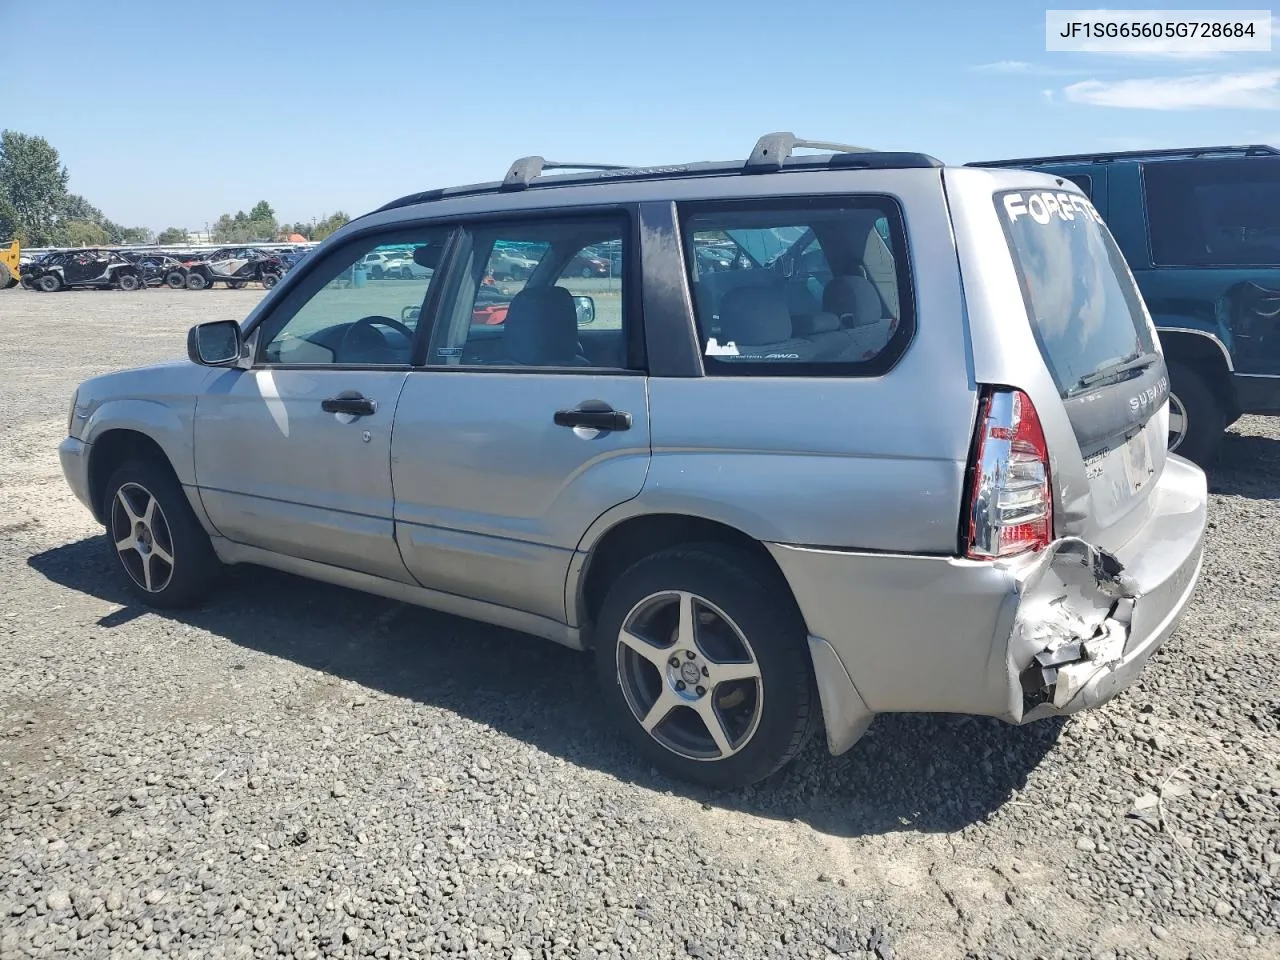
[{"x": 1085, "y": 309}]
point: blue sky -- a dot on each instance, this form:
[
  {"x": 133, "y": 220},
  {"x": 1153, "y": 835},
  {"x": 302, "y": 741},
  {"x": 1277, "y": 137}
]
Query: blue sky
[{"x": 170, "y": 114}]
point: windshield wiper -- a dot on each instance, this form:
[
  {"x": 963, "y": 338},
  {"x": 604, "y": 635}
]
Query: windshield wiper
[{"x": 1129, "y": 364}]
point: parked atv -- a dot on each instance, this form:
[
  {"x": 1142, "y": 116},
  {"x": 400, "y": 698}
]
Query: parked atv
[
  {"x": 159, "y": 269},
  {"x": 236, "y": 267},
  {"x": 91, "y": 268}
]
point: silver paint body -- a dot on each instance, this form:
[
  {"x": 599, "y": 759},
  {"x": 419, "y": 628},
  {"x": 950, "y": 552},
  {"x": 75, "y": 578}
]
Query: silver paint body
[{"x": 466, "y": 498}]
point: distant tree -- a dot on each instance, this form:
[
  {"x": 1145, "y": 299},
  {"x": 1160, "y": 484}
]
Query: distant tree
[
  {"x": 33, "y": 183},
  {"x": 80, "y": 233},
  {"x": 330, "y": 224},
  {"x": 172, "y": 235},
  {"x": 258, "y": 225},
  {"x": 8, "y": 221},
  {"x": 76, "y": 207}
]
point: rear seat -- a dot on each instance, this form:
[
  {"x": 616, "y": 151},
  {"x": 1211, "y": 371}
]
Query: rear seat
[
  {"x": 756, "y": 321},
  {"x": 856, "y": 302}
]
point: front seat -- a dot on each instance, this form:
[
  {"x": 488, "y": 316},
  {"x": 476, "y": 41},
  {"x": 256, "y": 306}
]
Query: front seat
[{"x": 541, "y": 329}]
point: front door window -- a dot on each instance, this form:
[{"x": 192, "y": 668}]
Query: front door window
[{"x": 354, "y": 317}]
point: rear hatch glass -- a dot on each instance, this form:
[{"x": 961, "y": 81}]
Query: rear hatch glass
[{"x": 1095, "y": 336}]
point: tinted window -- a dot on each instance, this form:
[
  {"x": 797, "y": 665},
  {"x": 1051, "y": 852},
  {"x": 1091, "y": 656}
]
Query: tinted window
[
  {"x": 1084, "y": 307},
  {"x": 1083, "y": 181},
  {"x": 1214, "y": 212},
  {"x": 799, "y": 286}
]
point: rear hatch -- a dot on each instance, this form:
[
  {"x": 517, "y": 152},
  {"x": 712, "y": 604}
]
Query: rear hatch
[{"x": 1100, "y": 347}]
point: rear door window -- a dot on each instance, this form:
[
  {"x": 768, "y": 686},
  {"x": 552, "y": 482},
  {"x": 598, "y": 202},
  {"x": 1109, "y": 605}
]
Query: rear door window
[
  {"x": 1214, "y": 212},
  {"x": 1085, "y": 309}
]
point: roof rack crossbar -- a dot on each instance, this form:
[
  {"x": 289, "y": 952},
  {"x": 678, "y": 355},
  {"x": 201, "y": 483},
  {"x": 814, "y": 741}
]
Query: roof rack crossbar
[
  {"x": 525, "y": 170},
  {"x": 1245, "y": 150},
  {"x": 773, "y": 149}
]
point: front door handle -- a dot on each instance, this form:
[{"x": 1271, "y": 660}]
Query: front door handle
[
  {"x": 601, "y": 418},
  {"x": 353, "y": 404}
]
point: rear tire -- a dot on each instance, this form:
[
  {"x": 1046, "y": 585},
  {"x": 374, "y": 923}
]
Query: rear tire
[
  {"x": 129, "y": 282},
  {"x": 7, "y": 279},
  {"x": 196, "y": 281},
  {"x": 740, "y": 621},
  {"x": 1196, "y": 418},
  {"x": 159, "y": 545},
  {"x": 50, "y": 283}
]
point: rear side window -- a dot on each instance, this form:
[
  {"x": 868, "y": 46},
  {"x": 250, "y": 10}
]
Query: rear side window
[
  {"x": 1085, "y": 309},
  {"x": 1214, "y": 212},
  {"x": 799, "y": 286},
  {"x": 1083, "y": 181}
]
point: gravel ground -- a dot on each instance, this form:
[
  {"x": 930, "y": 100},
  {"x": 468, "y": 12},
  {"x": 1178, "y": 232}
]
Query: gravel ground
[{"x": 296, "y": 770}]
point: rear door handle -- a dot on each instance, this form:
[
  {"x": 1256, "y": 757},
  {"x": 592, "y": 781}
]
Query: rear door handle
[
  {"x": 603, "y": 418},
  {"x": 353, "y": 404}
]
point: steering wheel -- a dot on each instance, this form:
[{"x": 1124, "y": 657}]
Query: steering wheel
[{"x": 365, "y": 327}]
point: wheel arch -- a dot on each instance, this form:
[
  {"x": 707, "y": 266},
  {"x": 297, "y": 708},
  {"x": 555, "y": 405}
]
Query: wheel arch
[
  {"x": 632, "y": 538},
  {"x": 1206, "y": 354},
  {"x": 114, "y": 447}
]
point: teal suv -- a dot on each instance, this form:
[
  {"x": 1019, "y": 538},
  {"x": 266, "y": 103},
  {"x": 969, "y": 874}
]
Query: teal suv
[{"x": 1200, "y": 229}]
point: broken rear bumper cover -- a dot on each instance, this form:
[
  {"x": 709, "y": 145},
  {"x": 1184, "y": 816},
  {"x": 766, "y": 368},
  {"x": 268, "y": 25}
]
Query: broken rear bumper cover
[{"x": 1044, "y": 634}]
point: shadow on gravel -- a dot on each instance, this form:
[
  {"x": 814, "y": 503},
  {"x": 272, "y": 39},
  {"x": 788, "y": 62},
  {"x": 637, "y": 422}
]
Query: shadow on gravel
[
  {"x": 1247, "y": 466},
  {"x": 910, "y": 772}
]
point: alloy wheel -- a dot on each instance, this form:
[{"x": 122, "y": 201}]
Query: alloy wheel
[
  {"x": 689, "y": 676},
  {"x": 1177, "y": 422},
  {"x": 142, "y": 537}
]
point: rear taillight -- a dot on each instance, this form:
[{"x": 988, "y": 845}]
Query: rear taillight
[{"x": 1010, "y": 508}]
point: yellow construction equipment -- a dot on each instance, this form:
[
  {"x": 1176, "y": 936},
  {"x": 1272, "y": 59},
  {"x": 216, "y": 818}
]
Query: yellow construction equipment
[{"x": 9, "y": 276}]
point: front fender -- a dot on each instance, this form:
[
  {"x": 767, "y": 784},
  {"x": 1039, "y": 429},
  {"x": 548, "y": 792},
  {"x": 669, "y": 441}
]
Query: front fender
[{"x": 168, "y": 425}]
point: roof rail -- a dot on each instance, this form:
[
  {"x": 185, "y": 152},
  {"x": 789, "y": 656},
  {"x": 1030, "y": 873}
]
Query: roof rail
[
  {"x": 1246, "y": 150},
  {"x": 773, "y": 149},
  {"x": 772, "y": 153},
  {"x": 525, "y": 170}
]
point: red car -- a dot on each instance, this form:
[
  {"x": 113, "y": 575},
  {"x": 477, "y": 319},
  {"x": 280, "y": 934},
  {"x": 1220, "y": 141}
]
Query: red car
[{"x": 585, "y": 265}]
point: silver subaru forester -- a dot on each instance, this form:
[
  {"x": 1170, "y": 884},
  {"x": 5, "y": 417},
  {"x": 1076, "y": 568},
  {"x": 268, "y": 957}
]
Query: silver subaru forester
[{"x": 789, "y": 441}]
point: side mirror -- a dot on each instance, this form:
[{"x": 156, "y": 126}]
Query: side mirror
[
  {"x": 586, "y": 308},
  {"x": 428, "y": 255},
  {"x": 409, "y": 313},
  {"x": 217, "y": 343}
]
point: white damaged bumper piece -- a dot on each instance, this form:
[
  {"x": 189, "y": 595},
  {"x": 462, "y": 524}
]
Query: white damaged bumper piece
[{"x": 1043, "y": 634}]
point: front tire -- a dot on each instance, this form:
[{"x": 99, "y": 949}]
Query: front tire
[
  {"x": 176, "y": 280},
  {"x": 28, "y": 283},
  {"x": 269, "y": 280},
  {"x": 50, "y": 283},
  {"x": 1196, "y": 418},
  {"x": 196, "y": 281},
  {"x": 158, "y": 543},
  {"x": 702, "y": 657}
]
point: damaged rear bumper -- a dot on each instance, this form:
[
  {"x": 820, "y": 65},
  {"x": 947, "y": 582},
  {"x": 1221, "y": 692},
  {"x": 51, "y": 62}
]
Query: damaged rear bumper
[{"x": 1045, "y": 634}]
